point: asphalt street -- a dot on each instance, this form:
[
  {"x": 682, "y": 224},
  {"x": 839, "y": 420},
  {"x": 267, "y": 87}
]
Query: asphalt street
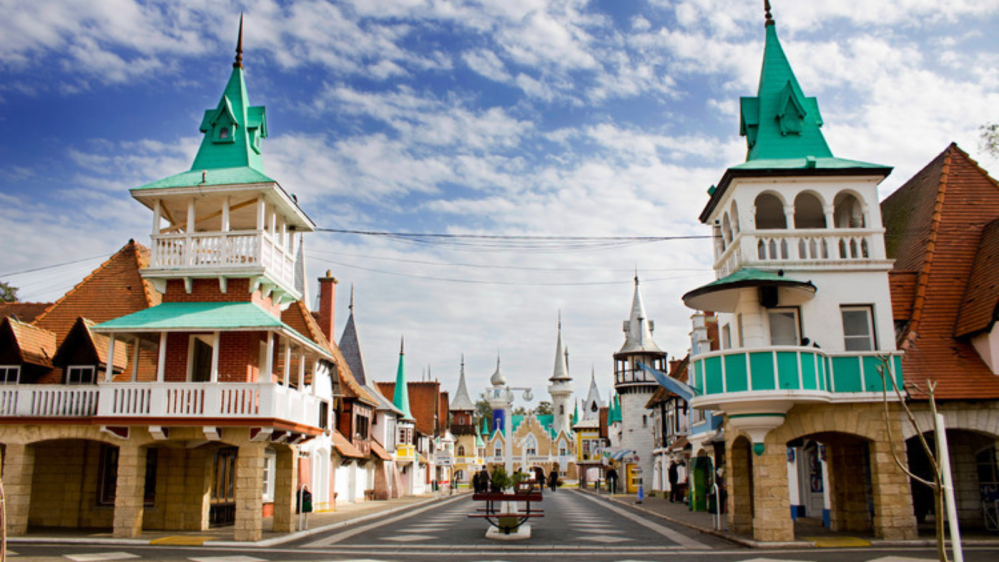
[{"x": 575, "y": 526}]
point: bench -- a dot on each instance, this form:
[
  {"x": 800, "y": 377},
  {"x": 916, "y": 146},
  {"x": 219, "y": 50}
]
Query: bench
[{"x": 497, "y": 513}]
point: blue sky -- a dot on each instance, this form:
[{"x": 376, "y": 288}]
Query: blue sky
[{"x": 521, "y": 117}]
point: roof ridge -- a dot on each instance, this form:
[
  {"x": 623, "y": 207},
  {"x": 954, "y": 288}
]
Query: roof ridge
[
  {"x": 131, "y": 244},
  {"x": 922, "y": 279}
]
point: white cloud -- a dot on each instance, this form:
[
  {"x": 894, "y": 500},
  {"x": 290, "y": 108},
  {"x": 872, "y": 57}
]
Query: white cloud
[{"x": 486, "y": 63}]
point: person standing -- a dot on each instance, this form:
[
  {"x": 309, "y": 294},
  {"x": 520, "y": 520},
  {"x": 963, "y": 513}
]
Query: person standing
[
  {"x": 612, "y": 480},
  {"x": 674, "y": 477},
  {"x": 553, "y": 480}
]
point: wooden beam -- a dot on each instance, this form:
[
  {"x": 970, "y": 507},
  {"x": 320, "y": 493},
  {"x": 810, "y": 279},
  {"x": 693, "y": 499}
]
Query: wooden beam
[{"x": 203, "y": 218}]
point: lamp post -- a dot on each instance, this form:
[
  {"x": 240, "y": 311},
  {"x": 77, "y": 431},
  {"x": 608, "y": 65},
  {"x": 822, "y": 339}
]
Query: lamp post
[{"x": 500, "y": 399}]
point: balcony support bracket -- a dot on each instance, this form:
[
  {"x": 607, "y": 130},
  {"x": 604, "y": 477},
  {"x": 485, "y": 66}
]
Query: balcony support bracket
[
  {"x": 261, "y": 433},
  {"x": 159, "y": 432},
  {"x": 212, "y": 433},
  {"x": 116, "y": 432}
]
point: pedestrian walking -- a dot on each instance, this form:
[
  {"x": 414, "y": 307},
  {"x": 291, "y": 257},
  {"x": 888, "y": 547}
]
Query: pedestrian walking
[
  {"x": 553, "y": 480},
  {"x": 612, "y": 480}
]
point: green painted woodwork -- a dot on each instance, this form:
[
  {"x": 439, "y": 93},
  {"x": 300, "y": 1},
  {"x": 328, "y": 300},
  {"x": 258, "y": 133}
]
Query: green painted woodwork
[
  {"x": 759, "y": 449},
  {"x": 219, "y": 176},
  {"x": 787, "y": 370},
  {"x": 872, "y": 378},
  {"x": 846, "y": 374},
  {"x": 735, "y": 372},
  {"x": 897, "y": 363},
  {"x": 809, "y": 378},
  {"x": 699, "y": 377},
  {"x": 713, "y": 380},
  {"x": 761, "y": 367}
]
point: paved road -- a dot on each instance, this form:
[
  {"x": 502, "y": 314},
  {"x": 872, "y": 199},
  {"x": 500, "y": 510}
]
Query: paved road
[{"x": 576, "y": 526}]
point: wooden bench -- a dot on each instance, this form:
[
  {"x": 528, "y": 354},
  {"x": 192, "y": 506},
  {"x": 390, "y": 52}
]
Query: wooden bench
[{"x": 498, "y": 506}]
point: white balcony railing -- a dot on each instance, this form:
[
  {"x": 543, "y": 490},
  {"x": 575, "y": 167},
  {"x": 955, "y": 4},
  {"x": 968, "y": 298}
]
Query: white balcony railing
[
  {"x": 222, "y": 250},
  {"x": 763, "y": 247},
  {"x": 161, "y": 400}
]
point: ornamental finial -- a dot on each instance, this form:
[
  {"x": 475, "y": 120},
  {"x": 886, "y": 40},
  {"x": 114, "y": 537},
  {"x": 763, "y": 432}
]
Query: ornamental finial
[
  {"x": 402, "y": 346},
  {"x": 239, "y": 45},
  {"x": 766, "y": 8}
]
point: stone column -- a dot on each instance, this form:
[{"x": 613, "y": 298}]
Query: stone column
[
  {"x": 772, "y": 507},
  {"x": 847, "y": 469},
  {"x": 285, "y": 490},
  {"x": 18, "y": 469},
  {"x": 249, "y": 492},
  {"x": 130, "y": 491},
  {"x": 893, "y": 514},
  {"x": 197, "y": 489},
  {"x": 739, "y": 481}
]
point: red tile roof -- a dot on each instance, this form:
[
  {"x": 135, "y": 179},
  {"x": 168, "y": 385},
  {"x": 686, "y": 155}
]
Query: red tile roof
[
  {"x": 980, "y": 306},
  {"x": 36, "y": 345},
  {"x": 425, "y": 403},
  {"x": 25, "y": 311},
  {"x": 934, "y": 226},
  {"x": 379, "y": 451},
  {"x": 903, "y": 294},
  {"x": 345, "y": 447},
  {"x": 112, "y": 290}
]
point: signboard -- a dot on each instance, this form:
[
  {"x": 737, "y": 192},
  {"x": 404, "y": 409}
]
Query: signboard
[{"x": 443, "y": 460}]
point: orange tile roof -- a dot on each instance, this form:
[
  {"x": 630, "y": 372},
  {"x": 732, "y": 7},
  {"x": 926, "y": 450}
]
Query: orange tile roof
[
  {"x": 379, "y": 451},
  {"x": 25, "y": 311},
  {"x": 903, "y": 293},
  {"x": 345, "y": 447},
  {"x": 112, "y": 290},
  {"x": 934, "y": 225},
  {"x": 36, "y": 345},
  {"x": 95, "y": 344},
  {"x": 980, "y": 305}
]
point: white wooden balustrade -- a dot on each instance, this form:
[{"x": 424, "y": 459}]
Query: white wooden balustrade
[
  {"x": 220, "y": 250},
  {"x": 762, "y": 247},
  {"x": 161, "y": 400}
]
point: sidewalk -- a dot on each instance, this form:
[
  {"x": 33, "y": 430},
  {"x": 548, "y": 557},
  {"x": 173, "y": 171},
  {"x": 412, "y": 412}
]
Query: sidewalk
[
  {"x": 345, "y": 514},
  {"x": 810, "y": 532}
]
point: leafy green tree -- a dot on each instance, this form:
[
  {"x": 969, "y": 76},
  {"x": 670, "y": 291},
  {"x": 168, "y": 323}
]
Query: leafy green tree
[
  {"x": 544, "y": 408},
  {"x": 8, "y": 292},
  {"x": 483, "y": 411}
]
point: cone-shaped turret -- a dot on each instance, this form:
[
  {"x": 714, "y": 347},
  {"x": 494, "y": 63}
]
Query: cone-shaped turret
[
  {"x": 575, "y": 415},
  {"x": 461, "y": 400},
  {"x": 780, "y": 122},
  {"x": 638, "y": 328},
  {"x": 401, "y": 397},
  {"x": 561, "y": 371},
  {"x": 593, "y": 403},
  {"x": 350, "y": 345}
]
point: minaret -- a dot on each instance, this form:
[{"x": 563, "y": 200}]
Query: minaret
[
  {"x": 634, "y": 386},
  {"x": 560, "y": 388},
  {"x": 593, "y": 403}
]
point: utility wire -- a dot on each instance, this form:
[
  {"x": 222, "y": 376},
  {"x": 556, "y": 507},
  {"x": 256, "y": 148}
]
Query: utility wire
[{"x": 44, "y": 267}]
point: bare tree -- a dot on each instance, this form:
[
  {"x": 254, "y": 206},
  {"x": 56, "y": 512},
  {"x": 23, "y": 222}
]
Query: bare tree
[{"x": 937, "y": 483}]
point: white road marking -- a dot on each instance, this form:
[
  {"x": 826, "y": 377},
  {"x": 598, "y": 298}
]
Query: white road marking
[
  {"x": 227, "y": 559},
  {"x": 409, "y": 538},
  {"x": 100, "y": 556},
  {"x": 662, "y": 530}
]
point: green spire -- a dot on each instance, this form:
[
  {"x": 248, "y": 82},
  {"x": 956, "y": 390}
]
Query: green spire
[
  {"x": 233, "y": 129},
  {"x": 485, "y": 427},
  {"x": 780, "y": 122},
  {"x": 614, "y": 415},
  {"x": 401, "y": 398},
  {"x": 575, "y": 415}
]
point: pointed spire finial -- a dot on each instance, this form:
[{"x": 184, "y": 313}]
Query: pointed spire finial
[
  {"x": 239, "y": 45},
  {"x": 560, "y": 319},
  {"x": 766, "y": 8},
  {"x": 402, "y": 346},
  {"x": 351, "y": 307}
]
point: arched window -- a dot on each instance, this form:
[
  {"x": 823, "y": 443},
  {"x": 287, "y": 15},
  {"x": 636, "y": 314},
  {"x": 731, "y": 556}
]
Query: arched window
[
  {"x": 461, "y": 450},
  {"x": 848, "y": 212},
  {"x": 530, "y": 446},
  {"x": 561, "y": 410},
  {"x": 726, "y": 230},
  {"x": 808, "y": 212},
  {"x": 224, "y": 133},
  {"x": 734, "y": 213},
  {"x": 769, "y": 212}
]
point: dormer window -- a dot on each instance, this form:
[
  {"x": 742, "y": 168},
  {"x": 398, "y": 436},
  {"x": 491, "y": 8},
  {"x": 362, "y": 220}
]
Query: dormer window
[{"x": 224, "y": 133}]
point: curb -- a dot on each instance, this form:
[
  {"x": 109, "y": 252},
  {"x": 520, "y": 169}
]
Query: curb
[{"x": 262, "y": 543}]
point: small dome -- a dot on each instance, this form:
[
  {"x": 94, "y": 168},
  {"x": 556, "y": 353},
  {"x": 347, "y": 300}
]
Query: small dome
[{"x": 498, "y": 379}]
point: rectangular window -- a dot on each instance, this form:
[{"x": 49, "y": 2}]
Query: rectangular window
[
  {"x": 324, "y": 414},
  {"x": 80, "y": 374},
  {"x": 107, "y": 474},
  {"x": 361, "y": 427},
  {"x": 270, "y": 461},
  {"x": 858, "y": 328},
  {"x": 10, "y": 374},
  {"x": 498, "y": 452},
  {"x": 784, "y": 326},
  {"x": 727, "y": 336}
]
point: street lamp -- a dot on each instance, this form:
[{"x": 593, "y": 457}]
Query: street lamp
[{"x": 500, "y": 399}]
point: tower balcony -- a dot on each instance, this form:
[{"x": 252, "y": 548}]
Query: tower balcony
[
  {"x": 222, "y": 254},
  {"x": 756, "y": 387},
  {"x": 795, "y": 248}
]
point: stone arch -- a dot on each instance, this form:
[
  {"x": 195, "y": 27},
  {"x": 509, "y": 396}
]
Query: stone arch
[
  {"x": 849, "y": 210},
  {"x": 726, "y": 227},
  {"x": 809, "y": 210},
  {"x": 769, "y": 211},
  {"x": 734, "y": 213},
  {"x": 739, "y": 481},
  {"x": 984, "y": 421}
]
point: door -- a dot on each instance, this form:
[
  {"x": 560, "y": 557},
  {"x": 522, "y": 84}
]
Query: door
[
  {"x": 223, "y": 500},
  {"x": 814, "y": 501}
]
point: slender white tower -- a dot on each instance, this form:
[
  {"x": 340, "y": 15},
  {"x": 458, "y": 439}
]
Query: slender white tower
[{"x": 560, "y": 388}]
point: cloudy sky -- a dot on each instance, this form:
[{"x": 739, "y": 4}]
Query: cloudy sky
[{"x": 605, "y": 118}]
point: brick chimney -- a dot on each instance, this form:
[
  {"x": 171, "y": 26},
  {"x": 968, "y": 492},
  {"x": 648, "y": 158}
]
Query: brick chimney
[{"x": 327, "y": 304}]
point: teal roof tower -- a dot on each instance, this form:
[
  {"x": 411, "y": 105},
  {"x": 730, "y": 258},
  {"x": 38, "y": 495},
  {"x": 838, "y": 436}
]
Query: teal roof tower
[
  {"x": 401, "y": 397},
  {"x": 780, "y": 122},
  {"x": 230, "y": 150}
]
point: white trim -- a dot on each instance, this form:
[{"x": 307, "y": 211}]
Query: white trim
[
  {"x": 81, "y": 368},
  {"x": 17, "y": 374},
  {"x": 161, "y": 360},
  {"x": 214, "y": 374},
  {"x": 190, "y": 356}
]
